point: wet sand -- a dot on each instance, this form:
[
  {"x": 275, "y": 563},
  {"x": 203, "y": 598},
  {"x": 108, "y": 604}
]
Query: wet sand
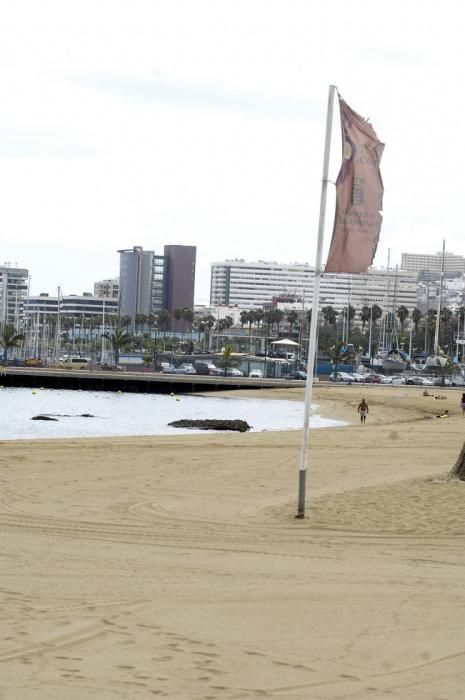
[{"x": 174, "y": 567}]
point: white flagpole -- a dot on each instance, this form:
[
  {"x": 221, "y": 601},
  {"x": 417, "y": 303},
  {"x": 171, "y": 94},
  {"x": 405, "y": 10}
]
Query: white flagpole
[{"x": 316, "y": 296}]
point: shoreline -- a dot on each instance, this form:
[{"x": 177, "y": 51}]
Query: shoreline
[{"x": 174, "y": 566}]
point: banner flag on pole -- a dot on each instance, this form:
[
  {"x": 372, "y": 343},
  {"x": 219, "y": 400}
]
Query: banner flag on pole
[{"x": 359, "y": 196}]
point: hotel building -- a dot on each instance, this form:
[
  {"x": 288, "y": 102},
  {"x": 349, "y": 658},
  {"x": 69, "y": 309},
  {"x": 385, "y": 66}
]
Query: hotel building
[{"x": 255, "y": 285}]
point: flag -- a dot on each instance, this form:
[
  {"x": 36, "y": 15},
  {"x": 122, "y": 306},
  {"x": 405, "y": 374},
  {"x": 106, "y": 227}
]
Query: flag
[{"x": 359, "y": 196}]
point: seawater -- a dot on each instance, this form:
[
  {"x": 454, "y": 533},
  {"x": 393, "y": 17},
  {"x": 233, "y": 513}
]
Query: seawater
[{"x": 135, "y": 414}]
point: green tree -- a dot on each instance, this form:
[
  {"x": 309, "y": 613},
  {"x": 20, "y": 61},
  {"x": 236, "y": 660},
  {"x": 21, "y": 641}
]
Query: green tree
[
  {"x": 258, "y": 315},
  {"x": 139, "y": 321},
  {"x": 10, "y": 338},
  {"x": 402, "y": 315},
  {"x": 278, "y": 316},
  {"x": 337, "y": 355},
  {"x": 365, "y": 314},
  {"x": 244, "y": 317},
  {"x": 292, "y": 317},
  {"x": 178, "y": 315},
  {"x": 329, "y": 315},
  {"x": 227, "y": 359},
  {"x": 376, "y": 313},
  {"x": 119, "y": 340},
  {"x": 416, "y": 318},
  {"x": 188, "y": 317}
]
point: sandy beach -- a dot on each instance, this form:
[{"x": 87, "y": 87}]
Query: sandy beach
[{"x": 173, "y": 567}]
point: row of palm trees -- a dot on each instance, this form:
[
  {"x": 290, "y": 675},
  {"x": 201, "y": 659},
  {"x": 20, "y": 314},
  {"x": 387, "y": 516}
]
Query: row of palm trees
[{"x": 267, "y": 322}]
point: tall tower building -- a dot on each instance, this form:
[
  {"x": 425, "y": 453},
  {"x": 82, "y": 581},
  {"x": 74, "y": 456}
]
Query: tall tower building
[
  {"x": 135, "y": 281},
  {"x": 13, "y": 291},
  {"x": 149, "y": 283},
  {"x": 180, "y": 276}
]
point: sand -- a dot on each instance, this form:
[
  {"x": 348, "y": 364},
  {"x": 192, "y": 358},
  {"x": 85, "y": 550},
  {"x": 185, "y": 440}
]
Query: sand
[{"x": 174, "y": 567}]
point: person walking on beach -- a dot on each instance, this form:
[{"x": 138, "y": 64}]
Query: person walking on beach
[
  {"x": 363, "y": 410},
  {"x": 462, "y": 404}
]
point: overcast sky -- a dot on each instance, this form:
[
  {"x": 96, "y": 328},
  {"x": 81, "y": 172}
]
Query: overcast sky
[{"x": 201, "y": 122}]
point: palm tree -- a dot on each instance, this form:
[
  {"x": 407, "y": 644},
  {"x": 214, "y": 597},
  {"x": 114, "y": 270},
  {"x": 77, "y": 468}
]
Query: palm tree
[
  {"x": 337, "y": 355},
  {"x": 416, "y": 318},
  {"x": 278, "y": 316},
  {"x": 119, "y": 340},
  {"x": 245, "y": 316},
  {"x": 402, "y": 315},
  {"x": 139, "y": 321},
  {"x": 329, "y": 315},
  {"x": 162, "y": 320},
  {"x": 178, "y": 314},
  {"x": 126, "y": 321},
  {"x": 227, "y": 359},
  {"x": 376, "y": 313},
  {"x": 258, "y": 315},
  {"x": 187, "y": 316},
  {"x": 268, "y": 320},
  {"x": 365, "y": 314},
  {"x": 10, "y": 338},
  {"x": 292, "y": 317}
]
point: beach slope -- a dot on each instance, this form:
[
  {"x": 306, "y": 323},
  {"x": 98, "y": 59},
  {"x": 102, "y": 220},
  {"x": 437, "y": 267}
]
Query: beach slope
[{"x": 174, "y": 567}]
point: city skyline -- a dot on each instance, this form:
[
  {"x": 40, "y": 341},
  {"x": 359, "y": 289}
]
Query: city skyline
[{"x": 203, "y": 124}]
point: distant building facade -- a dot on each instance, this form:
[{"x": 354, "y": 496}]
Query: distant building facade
[
  {"x": 180, "y": 277},
  {"x": 135, "y": 281},
  {"x": 423, "y": 262},
  {"x": 260, "y": 284},
  {"x": 71, "y": 305},
  {"x": 149, "y": 283},
  {"x": 107, "y": 288},
  {"x": 13, "y": 291}
]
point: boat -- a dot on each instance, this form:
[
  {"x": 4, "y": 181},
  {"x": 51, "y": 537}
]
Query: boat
[{"x": 395, "y": 360}]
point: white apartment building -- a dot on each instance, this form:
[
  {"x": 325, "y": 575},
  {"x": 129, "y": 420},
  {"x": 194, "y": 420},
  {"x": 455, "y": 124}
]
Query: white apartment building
[
  {"x": 423, "y": 262},
  {"x": 254, "y": 285},
  {"x": 13, "y": 291},
  {"x": 71, "y": 305},
  {"x": 107, "y": 288},
  {"x": 218, "y": 312}
]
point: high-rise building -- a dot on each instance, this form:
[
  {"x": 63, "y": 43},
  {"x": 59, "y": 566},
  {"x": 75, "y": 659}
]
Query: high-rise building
[
  {"x": 149, "y": 283},
  {"x": 254, "y": 285},
  {"x": 13, "y": 291},
  {"x": 180, "y": 276},
  {"x": 135, "y": 281}
]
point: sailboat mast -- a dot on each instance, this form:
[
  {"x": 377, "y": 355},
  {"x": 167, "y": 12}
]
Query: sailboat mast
[{"x": 438, "y": 312}]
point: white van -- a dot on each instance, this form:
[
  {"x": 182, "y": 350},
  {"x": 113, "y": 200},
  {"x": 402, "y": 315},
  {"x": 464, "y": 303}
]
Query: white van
[{"x": 75, "y": 363}]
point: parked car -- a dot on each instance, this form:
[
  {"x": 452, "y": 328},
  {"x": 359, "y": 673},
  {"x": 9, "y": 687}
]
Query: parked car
[
  {"x": 168, "y": 369},
  {"x": 457, "y": 380},
  {"x": 356, "y": 377},
  {"x": 234, "y": 372},
  {"x": 185, "y": 368},
  {"x": 340, "y": 377},
  {"x": 442, "y": 381},
  {"x": 394, "y": 379},
  {"x": 373, "y": 379},
  {"x": 204, "y": 367},
  {"x": 299, "y": 374},
  {"x": 109, "y": 366},
  {"x": 74, "y": 363},
  {"x": 256, "y": 374},
  {"x": 417, "y": 380}
]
